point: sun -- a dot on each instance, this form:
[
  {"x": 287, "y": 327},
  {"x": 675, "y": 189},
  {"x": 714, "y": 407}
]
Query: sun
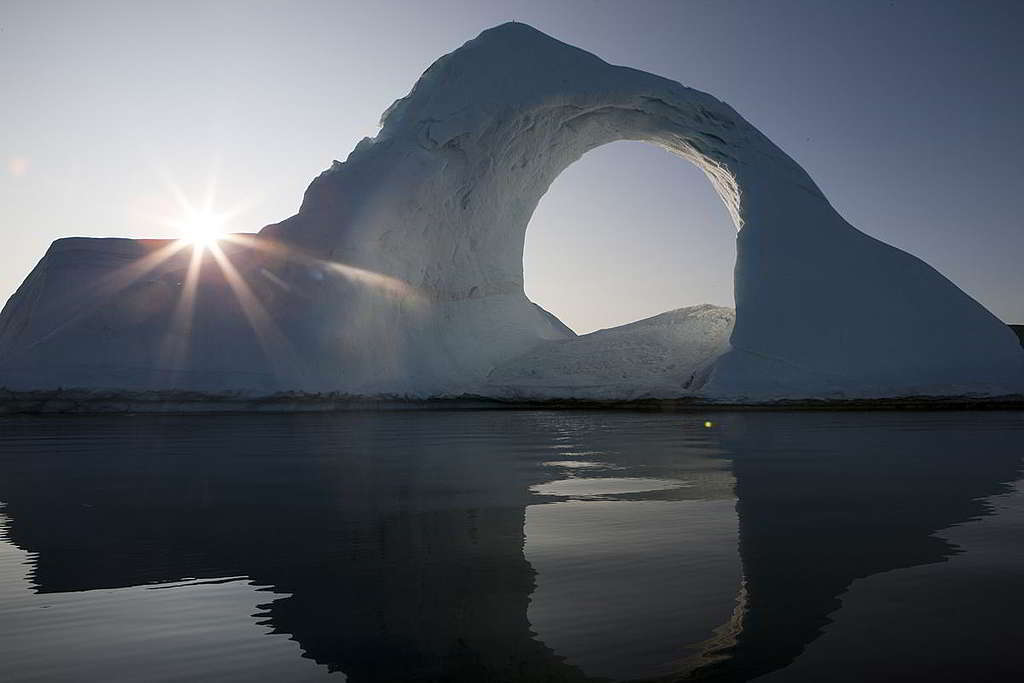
[{"x": 202, "y": 228}]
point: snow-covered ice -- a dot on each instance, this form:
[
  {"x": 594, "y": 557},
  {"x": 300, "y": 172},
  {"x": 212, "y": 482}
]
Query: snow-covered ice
[
  {"x": 402, "y": 271},
  {"x": 666, "y": 356}
]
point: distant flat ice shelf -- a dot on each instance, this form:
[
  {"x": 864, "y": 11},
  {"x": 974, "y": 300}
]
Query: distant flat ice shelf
[{"x": 401, "y": 275}]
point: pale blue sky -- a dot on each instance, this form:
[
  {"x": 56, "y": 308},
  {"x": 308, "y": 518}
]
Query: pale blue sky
[{"x": 907, "y": 114}]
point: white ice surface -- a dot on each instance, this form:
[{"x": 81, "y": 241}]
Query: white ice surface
[
  {"x": 402, "y": 271},
  {"x": 665, "y": 356}
]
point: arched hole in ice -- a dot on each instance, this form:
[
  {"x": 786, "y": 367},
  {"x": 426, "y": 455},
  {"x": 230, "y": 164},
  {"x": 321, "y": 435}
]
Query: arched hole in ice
[{"x": 625, "y": 233}]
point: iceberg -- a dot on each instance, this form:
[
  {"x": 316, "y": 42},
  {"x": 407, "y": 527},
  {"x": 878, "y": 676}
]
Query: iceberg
[{"x": 401, "y": 274}]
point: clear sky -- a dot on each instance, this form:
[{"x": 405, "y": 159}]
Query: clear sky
[{"x": 907, "y": 114}]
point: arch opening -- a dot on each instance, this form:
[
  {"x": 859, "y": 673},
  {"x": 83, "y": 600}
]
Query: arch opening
[{"x": 626, "y": 233}]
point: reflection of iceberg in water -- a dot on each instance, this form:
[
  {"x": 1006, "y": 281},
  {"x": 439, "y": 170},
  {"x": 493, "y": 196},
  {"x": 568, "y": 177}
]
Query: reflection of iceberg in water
[
  {"x": 625, "y": 586},
  {"x": 399, "y": 538},
  {"x": 124, "y": 635},
  {"x": 826, "y": 499},
  {"x": 636, "y": 565}
]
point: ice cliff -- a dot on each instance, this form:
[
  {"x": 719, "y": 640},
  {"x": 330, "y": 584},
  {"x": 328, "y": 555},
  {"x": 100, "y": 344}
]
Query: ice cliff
[{"x": 402, "y": 271}]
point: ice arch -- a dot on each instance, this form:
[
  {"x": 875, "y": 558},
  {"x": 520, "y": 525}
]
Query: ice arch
[
  {"x": 439, "y": 203},
  {"x": 818, "y": 303}
]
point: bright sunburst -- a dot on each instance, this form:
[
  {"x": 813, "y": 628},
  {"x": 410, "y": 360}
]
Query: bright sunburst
[{"x": 202, "y": 228}]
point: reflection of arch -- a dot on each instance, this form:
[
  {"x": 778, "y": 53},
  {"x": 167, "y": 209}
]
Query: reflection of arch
[
  {"x": 822, "y": 505},
  {"x": 411, "y": 276},
  {"x": 368, "y": 546}
]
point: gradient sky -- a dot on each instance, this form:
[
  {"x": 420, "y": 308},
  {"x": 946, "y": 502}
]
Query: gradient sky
[{"x": 907, "y": 114}]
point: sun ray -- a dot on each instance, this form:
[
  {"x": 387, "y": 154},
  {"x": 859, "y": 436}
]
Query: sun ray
[
  {"x": 210, "y": 194},
  {"x": 179, "y": 334},
  {"x": 86, "y": 299},
  {"x": 275, "y": 345},
  {"x": 383, "y": 283},
  {"x": 131, "y": 272},
  {"x": 184, "y": 205}
]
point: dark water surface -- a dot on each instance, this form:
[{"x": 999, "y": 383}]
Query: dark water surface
[{"x": 513, "y": 546}]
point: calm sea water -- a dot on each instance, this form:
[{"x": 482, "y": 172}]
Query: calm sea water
[{"x": 513, "y": 546}]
